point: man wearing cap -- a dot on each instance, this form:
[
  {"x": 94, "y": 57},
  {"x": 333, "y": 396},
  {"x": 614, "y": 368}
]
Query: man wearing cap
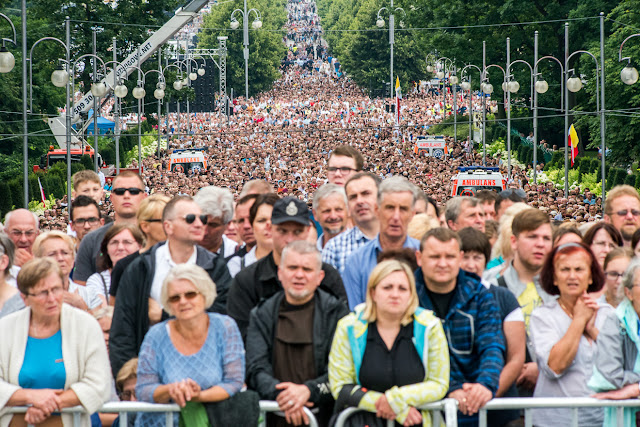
[{"x": 290, "y": 221}]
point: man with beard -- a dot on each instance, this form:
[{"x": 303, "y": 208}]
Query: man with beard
[
  {"x": 622, "y": 210},
  {"x": 330, "y": 210}
]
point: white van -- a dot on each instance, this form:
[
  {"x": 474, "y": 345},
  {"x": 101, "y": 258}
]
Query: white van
[{"x": 472, "y": 179}]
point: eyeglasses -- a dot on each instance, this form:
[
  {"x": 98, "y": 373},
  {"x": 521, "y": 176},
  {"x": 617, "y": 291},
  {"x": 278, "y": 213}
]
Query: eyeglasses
[
  {"x": 18, "y": 233},
  {"x": 344, "y": 169},
  {"x": 187, "y": 295},
  {"x": 605, "y": 245},
  {"x": 215, "y": 224},
  {"x": 82, "y": 221},
  {"x": 55, "y": 291},
  {"x": 127, "y": 394},
  {"x": 116, "y": 243},
  {"x": 190, "y": 218},
  {"x": 134, "y": 191},
  {"x": 613, "y": 275},
  {"x": 626, "y": 212}
]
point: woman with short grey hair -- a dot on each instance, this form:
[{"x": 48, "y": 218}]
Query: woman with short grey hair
[
  {"x": 191, "y": 359},
  {"x": 617, "y": 368}
]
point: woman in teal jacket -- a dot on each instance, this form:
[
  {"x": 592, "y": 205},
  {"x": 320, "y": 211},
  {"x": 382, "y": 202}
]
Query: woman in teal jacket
[
  {"x": 616, "y": 373},
  {"x": 390, "y": 356}
]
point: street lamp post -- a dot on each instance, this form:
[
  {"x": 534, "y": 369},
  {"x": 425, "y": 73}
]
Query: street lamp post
[
  {"x": 574, "y": 84},
  {"x": 59, "y": 78},
  {"x": 96, "y": 100},
  {"x": 380, "y": 23},
  {"x": 487, "y": 88},
  {"x": 466, "y": 85},
  {"x": 256, "y": 24}
]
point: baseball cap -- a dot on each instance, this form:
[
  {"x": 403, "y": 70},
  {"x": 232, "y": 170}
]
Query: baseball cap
[{"x": 290, "y": 209}]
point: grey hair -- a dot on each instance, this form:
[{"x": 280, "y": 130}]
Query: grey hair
[
  {"x": 327, "y": 190},
  {"x": 453, "y": 207},
  {"x": 215, "y": 201},
  {"x": 194, "y": 274},
  {"x": 101, "y": 312},
  {"x": 7, "y": 218},
  {"x": 630, "y": 273},
  {"x": 302, "y": 247},
  {"x": 7, "y": 248},
  {"x": 397, "y": 184}
]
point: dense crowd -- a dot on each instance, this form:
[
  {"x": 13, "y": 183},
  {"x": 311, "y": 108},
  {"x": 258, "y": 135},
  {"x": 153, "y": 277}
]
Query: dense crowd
[{"x": 317, "y": 235}]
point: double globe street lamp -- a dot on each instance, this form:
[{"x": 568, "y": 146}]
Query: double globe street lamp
[{"x": 256, "y": 25}]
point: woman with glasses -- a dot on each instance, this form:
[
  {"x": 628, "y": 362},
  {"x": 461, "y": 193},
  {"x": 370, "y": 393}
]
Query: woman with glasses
[
  {"x": 615, "y": 265},
  {"x": 194, "y": 358},
  {"x": 565, "y": 332},
  {"x": 10, "y": 299},
  {"x": 602, "y": 238},
  {"x": 617, "y": 368},
  {"x": 118, "y": 242},
  {"x": 52, "y": 355},
  {"x": 61, "y": 247}
]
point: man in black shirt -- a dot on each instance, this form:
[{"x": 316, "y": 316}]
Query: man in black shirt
[
  {"x": 295, "y": 324},
  {"x": 290, "y": 222}
]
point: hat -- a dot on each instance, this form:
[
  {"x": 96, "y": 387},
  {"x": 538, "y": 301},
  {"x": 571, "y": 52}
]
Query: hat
[{"x": 290, "y": 209}]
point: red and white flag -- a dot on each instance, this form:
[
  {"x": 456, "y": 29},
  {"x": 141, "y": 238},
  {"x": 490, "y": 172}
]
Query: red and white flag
[{"x": 41, "y": 191}]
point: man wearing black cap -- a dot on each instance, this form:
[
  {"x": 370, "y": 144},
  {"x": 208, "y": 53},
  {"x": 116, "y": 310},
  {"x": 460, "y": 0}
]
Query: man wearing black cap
[{"x": 290, "y": 221}]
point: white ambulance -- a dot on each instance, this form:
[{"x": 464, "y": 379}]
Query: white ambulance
[
  {"x": 188, "y": 160},
  {"x": 472, "y": 179}
]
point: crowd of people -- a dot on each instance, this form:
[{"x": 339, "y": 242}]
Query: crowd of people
[{"x": 317, "y": 235}]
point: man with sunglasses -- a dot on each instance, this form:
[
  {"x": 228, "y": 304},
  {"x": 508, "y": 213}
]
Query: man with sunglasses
[
  {"x": 85, "y": 216},
  {"x": 622, "y": 210},
  {"x": 126, "y": 195},
  {"x": 507, "y": 198},
  {"x": 138, "y": 303}
]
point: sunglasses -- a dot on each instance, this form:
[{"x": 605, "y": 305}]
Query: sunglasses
[
  {"x": 518, "y": 192},
  {"x": 190, "y": 218},
  {"x": 134, "y": 191},
  {"x": 187, "y": 295}
]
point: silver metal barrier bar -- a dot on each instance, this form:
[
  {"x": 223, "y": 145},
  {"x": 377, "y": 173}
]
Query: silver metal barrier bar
[
  {"x": 450, "y": 407},
  {"x": 272, "y": 406},
  {"x": 572, "y": 403}
]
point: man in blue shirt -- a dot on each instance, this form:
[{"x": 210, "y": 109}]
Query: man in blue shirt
[
  {"x": 470, "y": 318},
  {"x": 395, "y": 209},
  {"x": 362, "y": 192}
]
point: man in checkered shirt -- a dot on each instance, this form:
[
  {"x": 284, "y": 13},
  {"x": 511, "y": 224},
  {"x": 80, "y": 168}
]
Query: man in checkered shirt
[{"x": 362, "y": 193}]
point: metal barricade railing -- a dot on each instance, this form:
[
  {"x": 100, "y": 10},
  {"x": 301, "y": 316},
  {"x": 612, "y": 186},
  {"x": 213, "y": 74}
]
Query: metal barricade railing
[
  {"x": 573, "y": 403},
  {"x": 124, "y": 408},
  {"x": 272, "y": 406},
  {"x": 449, "y": 406}
]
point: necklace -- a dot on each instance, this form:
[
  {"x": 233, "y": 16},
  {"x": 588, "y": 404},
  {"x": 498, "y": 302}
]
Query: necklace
[{"x": 570, "y": 314}]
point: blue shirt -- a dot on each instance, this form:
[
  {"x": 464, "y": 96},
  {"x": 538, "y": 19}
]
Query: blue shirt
[
  {"x": 43, "y": 365},
  {"x": 360, "y": 265},
  {"x": 220, "y": 362},
  {"x": 337, "y": 250}
]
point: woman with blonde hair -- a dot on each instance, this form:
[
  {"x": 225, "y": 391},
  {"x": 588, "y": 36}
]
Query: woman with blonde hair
[
  {"x": 389, "y": 356},
  {"x": 61, "y": 247}
]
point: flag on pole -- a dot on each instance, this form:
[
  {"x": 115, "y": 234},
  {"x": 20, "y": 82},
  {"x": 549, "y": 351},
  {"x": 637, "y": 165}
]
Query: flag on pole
[
  {"x": 573, "y": 143},
  {"x": 398, "y": 98},
  {"x": 41, "y": 191}
]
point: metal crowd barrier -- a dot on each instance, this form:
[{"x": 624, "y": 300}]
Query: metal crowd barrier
[
  {"x": 572, "y": 403},
  {"x": 449, "y": 406},
  {"x": 124, "y": 408}
]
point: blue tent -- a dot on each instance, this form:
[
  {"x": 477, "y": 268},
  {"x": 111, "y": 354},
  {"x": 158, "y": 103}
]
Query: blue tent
[{"x": 104, "y": 125}]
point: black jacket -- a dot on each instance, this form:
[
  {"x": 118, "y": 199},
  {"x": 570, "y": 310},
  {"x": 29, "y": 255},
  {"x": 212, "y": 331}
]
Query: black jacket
[
  {"x": 260, "y": 280},
  {"x": 131, "y": 312},
  {"x": 260, "y": 335}
]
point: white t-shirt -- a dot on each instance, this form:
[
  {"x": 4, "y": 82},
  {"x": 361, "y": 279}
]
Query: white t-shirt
[{"x": 164, "y": 263}]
